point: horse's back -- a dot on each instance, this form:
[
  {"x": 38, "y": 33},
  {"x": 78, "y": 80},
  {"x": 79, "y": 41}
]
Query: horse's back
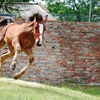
[
  {"x": 10, "y": 30},
  {"x": 14, "y": 29}
]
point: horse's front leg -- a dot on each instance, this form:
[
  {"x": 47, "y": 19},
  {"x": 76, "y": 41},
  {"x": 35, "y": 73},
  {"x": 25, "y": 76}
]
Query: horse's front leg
[
  {"x": 17, "y": 48},
  {"x": 3, "y": 58},
  {"x": 30, "y": 60}
]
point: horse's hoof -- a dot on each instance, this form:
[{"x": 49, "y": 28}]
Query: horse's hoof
[
  {"x": 13, "y": 67},
  {"x": 16, "y": 76}
]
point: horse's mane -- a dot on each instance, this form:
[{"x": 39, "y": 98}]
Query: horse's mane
[
  {"x": 6, "y": 20},
  {"x": 38, "y": 17}
]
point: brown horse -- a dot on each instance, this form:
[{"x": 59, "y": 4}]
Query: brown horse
[{"x": 22, "y": 38}]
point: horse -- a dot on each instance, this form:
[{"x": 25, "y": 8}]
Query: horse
[{"x": 22, "y": 38}]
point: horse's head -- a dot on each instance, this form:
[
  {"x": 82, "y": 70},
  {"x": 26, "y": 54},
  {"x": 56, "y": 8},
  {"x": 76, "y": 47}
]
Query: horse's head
[{"x": 39, "y": 28}]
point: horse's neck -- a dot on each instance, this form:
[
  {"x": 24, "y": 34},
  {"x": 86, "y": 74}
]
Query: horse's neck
[{"x": 30, "y": 26}]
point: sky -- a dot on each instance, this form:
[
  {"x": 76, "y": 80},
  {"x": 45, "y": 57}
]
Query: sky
[
  {"x": 40, "y": 1},
  {"x": 43, "y": 2}
]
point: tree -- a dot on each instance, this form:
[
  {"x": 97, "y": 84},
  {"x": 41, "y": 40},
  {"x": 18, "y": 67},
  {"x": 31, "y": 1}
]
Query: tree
[
  {"x": 63, "y": 10},
  {"x": 6, "y": 5},
  {"x": 73, "y": 10},
  {"x": 60, "y": 10},
  {"x": 81, "y": 8},
  {"x": 95, "y": 12},
  {"x": 1, "y": 3}
]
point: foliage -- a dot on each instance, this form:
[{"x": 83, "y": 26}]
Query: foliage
[
  {"x": 74, "y": 10},
  {"x": 58, "y": 9},
  {"x": 6, "y": 5}
]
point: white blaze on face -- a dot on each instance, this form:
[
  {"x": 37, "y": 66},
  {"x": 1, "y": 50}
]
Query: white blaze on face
[{"x": 41, "y": 32}]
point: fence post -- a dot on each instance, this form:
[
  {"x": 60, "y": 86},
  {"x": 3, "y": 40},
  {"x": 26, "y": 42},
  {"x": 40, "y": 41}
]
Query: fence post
[{"x": 90, "y": 10}]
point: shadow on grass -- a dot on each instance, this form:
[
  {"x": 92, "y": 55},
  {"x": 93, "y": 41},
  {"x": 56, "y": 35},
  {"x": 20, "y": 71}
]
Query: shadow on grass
[{"x": 93, "y": 91}]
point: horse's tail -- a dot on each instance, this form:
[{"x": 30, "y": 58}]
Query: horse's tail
[
  {"x": 2, "y": 35},
  {"x": 6, "y": 20}
]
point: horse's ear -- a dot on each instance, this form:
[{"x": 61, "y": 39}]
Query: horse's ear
[
  {"x": 34, "y": 18},
  {"x": 46, "y": 17}
]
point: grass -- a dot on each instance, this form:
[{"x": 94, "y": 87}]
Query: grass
[{"x": 20, "y": 90}]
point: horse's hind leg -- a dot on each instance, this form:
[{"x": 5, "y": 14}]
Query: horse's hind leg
[
  {"x": 30, "y": 60},
  {"x": 2, "y": 43},
  {"x": 3, "y": 58}
]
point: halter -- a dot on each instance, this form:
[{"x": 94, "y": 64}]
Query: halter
[{"x": 38, "y": 34}]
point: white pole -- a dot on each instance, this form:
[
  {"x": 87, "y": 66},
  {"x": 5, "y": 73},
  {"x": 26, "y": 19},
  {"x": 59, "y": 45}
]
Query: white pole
[{"x": 90, "y": 10}]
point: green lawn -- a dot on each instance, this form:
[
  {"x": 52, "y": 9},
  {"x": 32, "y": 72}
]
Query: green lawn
[{"x": 21, "y": 90}]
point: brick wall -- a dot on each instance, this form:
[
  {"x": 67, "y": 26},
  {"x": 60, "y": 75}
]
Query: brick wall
[{"x": 70, "y": 53}]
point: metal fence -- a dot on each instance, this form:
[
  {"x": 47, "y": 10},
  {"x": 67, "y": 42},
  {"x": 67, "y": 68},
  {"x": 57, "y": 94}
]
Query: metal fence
[
  {"x": 74, "y": 18},
  {"x": 70, "y": 51},
  {"x": 88, "y": 14}
]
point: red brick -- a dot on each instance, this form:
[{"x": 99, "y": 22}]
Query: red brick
[{"x": 70, "y": 51}]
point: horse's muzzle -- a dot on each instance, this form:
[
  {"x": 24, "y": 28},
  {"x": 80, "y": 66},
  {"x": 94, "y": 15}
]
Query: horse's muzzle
[{"x": 38, "y": 44}]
